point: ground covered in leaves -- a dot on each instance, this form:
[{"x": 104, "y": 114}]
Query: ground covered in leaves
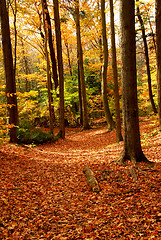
[{"x": 44, "y": 194}]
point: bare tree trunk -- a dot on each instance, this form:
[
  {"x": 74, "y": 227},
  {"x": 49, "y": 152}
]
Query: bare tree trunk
[
  {"x": 26, "y": 72},
  {"x": 115, "y": 76},
  {"x": 68, "y": 57},
  {"x": 158, "y": 53},
  {"x": 108, "y": 115},
  {"x": 132, "y": 145},
  {"x": 26, "y": 67},
  {"x": 51, "y": 47},
  {"x": 9, "y": 72},
  {"x": 60, "y": 66},
  {"x": 53, "y": 60},
  {"x": 14, "y": 10},
  {"x": 80, "y": 97},
  {"x": 81, "y": 68},
  {"x": 101, "y": 54},
  {"x": 48, "y": 70},
  {"x": 100, "y": 40},
  {"x": 146, "y": 59}
]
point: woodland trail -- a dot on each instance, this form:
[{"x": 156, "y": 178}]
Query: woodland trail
[
  {"x": 96, "y": 144},
  {"x": 44, "y": 194},
  {"x": 90, "y": 146}
]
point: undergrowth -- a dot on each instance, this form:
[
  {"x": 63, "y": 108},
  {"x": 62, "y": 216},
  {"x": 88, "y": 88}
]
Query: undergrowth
[{"x": 26, "y": 133}]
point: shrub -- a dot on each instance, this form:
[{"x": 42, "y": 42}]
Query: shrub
[{"x": 28, "y": 134}]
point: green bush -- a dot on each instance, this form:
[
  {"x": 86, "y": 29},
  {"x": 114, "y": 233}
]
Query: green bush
[
  {"x": 28, "y": 134},
  {"x": 38, "y": 136}
]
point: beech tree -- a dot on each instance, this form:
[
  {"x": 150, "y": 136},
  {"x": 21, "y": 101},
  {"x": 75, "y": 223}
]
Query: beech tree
[
  {"x": 60, "y": 66},
  {"x": 115, "y": 76},
  {"x": 9, "y": 72},
  {"x": 51, "y": 46},
  {"x": 131, "y": 135},
  {"x": 81, "y": 68},
  {"x": 158, "y": 52},
  {"x": 80, "y": 96},
  {"x": 108, "y": 115},
  {"x": 14, "y": 10},
  {"x": 51, "y": 115},
  {"x": 26, "y": 67}
]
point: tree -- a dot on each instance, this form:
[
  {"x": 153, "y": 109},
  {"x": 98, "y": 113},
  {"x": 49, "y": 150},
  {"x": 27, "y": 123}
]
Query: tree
[
  {"x": 108, "y": 115},
  {"x": 131, "y": 135},
  {"x": 68, "y": 57},
  {"x": 26, "y": 67},
  {"x": 51, "y": 115},
  {"x": 80, "y": 96},
  {"x": 51, "y": 47},
  {"x": 146, "y": 58},
  {"x": 9, "y": 72},
  {"x": 115, "y": 76},
  {"x": 81, "y": 68},
  {"x": 14, "y": 10},
  {"x": 60, "y": 66},
  {"x": 148, "y": 16},
  {"x": 158, "y": 53}
]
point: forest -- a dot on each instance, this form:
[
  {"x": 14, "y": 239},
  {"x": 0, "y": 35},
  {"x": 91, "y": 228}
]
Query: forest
[{"x": 80, "y": 119}]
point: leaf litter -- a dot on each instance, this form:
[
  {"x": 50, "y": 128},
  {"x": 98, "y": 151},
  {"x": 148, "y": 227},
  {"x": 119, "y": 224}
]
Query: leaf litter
[{"x": 44, "y": 194}]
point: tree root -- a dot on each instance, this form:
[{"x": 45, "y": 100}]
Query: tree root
[
  {"x": 133, "y": 173},
  {"x": 135, "y": 160},
  {"x": 85, "y": 128},
  {"x": 91, "y": 179}
]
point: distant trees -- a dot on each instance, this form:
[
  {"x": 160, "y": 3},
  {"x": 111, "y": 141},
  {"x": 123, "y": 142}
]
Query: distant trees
[
  {"x": 74, "y": 63},
  {"x": 146, "y": 51},
  {"x": 9, "y": 72}
]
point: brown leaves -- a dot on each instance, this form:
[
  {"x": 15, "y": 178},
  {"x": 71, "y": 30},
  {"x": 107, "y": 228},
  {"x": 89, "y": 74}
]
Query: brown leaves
[{"x": 44, "y": 194}]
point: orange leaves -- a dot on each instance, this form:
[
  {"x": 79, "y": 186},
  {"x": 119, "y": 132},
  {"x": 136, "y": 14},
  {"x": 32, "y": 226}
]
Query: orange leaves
[{"x": 44, "y": 193}]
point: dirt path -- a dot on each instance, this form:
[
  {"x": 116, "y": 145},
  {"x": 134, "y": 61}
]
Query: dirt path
[
  {"x": 91, "y": 145},
  {"x": 96, "y": 144},
  {"x": 44, "y": 194}
]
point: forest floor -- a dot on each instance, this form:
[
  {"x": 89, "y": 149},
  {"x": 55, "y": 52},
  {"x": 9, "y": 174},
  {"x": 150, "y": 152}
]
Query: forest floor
[{"x": 44, "y": 194}]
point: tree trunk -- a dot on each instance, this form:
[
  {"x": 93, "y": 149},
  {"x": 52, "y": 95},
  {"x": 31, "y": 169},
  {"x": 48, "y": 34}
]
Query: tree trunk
[
  {"x": 100, "y": 39},
  {"x": 15, "y": 35},
  {"x": 26, "y": 67},
  {"x": 48, "y": 71},
  {"x": 151, "y": 28},
  {"x": 146, "y": 59},
  {"x": 80, "y": 97},
  {"x": 108, "y": 115},
  {"x": 9, "y": 72},
  {"x": 51, "y": 47},
  {"x": 131, "y": 134},
  {"x": 68, "y": 57},
  {"x": 81, "y": 68},
  {"x": 60, "y": 66},
  {"x": 158, "y": 53},
  {"x": 115, "y": 76},
  {"x": 53, "y": 61},
  {"x": 26, "y": 72}
]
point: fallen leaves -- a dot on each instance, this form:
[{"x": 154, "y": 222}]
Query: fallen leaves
[{"x": 44, "y": 194}]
